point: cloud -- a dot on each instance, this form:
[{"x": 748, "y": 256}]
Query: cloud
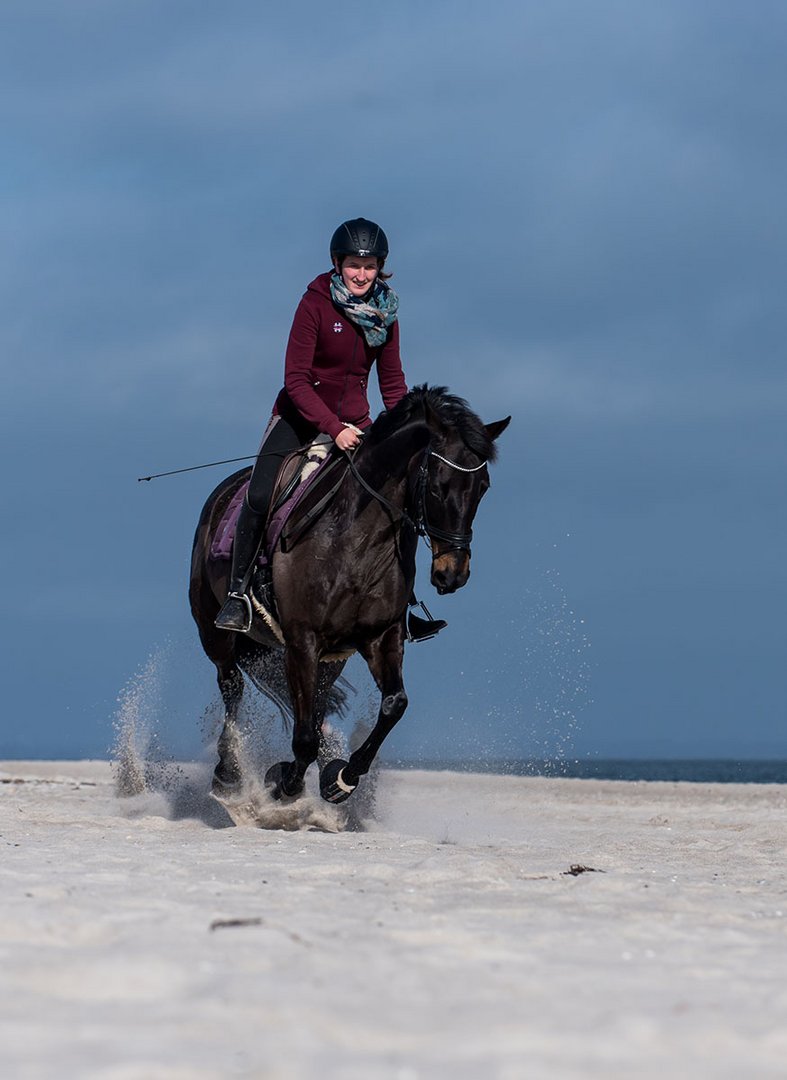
[
  {"x": 589, "y": 231},
  {"x": 547, "y": 382},
  {"x": 581, "y": 198}
]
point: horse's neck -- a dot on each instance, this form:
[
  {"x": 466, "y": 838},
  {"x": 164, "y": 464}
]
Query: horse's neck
[
  {"x": 377, "y": 476},
  {"x": 391, "y": 462}
]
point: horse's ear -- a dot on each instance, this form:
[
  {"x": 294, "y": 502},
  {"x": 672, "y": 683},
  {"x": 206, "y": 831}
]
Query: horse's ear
[
  {"x": 497, "y": 428},
  {"x": 435, "y": 420}
]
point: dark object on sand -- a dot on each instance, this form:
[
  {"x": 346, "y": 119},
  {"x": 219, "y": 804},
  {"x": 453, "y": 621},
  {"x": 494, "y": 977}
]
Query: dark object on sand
[{"x": 224, "y": 924}]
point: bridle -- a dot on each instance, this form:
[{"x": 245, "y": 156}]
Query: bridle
[{"x": 420, "y": 522}]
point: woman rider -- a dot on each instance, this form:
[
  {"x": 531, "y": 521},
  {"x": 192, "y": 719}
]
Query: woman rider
[{"x": 345, "y": 323}]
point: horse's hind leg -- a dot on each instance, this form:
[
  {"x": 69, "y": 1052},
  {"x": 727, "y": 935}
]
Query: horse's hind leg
[
  {"x": 327, "y": 700},
  {"x": 384, "y": 656},
  {"x": 286, "y": 777}
]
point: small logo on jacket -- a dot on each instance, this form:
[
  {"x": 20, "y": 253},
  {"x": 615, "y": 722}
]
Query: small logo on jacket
[{"x": 337, "y": 328}]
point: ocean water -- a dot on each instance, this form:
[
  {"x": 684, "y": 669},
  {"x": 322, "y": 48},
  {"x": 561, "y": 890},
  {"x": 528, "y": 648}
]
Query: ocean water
[{"x": 692, "y": 770}]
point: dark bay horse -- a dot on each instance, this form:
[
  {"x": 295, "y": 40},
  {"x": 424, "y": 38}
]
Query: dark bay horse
[{"x": 345, "y": 586}]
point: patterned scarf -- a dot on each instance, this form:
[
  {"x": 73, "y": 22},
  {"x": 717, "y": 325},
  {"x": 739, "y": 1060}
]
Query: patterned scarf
[{"x": 374, "y": 314}]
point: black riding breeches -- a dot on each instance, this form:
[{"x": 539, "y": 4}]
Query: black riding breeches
[{"x": 281, "y": 438}]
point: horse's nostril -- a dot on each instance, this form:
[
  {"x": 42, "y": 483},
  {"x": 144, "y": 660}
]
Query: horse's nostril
[
  {"x": 443, "y": 581},
  {"x": 450, "y": 571}
]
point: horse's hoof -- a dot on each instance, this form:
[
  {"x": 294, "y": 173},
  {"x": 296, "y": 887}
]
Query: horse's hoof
[
  {"x": 283, "y": 780},
  {"x": 229, "y": 800},
  {"x": 225, "y": 793},
  {"x": 226, "y": 785},
  {"x": 334, "y": 788}
]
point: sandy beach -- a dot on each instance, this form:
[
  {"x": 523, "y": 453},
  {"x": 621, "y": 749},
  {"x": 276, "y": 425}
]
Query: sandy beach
[{"x": 148, "y": 937}]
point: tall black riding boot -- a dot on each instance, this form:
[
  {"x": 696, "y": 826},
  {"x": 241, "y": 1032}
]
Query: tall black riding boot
[{"x": 236, "y": 614}]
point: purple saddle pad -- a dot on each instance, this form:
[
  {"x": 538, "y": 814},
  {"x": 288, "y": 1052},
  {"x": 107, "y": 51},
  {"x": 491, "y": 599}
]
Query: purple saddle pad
[{"x": 221, "y": 545}]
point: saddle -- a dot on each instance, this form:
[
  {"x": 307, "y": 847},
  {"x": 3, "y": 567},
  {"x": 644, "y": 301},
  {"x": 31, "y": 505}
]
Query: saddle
[{"x": 305, "y": 486}]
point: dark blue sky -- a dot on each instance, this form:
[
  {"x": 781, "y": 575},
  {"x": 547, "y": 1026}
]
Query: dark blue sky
[{"x": 587, "y": 216}]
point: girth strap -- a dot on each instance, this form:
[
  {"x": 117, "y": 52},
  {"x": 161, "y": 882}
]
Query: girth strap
[{"x": 294, "y": 530}]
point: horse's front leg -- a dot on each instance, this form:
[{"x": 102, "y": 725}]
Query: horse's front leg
[
  {"x": 384, "y": 656},
  {"x": 300, "y": 659}
]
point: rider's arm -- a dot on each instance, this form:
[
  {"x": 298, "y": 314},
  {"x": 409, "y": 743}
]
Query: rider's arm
[
  {"x": 389, "y": 369},
  {"x": 298, "y": 374}
]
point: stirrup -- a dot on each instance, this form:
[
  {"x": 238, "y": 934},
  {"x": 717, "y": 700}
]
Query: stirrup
[
  {"x": 419, "y": 629},
  {"x": 229, "y": 616}
]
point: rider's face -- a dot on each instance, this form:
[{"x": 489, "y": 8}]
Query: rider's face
[{"x": 359, "y": 273}]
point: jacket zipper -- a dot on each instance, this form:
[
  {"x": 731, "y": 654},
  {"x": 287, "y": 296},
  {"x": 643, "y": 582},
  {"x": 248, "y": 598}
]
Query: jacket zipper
[{"x": 346, "y": 377}]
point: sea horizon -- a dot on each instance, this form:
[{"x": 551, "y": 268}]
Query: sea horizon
[
  {"x": 729, "y": 770},
  {"x": 732, "y": 770}
]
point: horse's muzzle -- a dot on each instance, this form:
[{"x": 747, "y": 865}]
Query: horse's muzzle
[{"x": 450, "y": 571}]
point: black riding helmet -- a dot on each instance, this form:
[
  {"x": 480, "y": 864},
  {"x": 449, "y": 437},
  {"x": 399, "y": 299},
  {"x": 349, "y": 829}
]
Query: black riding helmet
[{"x": 359, "y": 237}]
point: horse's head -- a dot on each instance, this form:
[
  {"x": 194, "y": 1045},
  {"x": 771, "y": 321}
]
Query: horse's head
[
  {"x": 453, "y": 479},
  {"x": 445, "y": 450}
]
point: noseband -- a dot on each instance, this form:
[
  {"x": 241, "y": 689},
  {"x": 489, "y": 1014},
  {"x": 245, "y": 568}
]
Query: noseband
[{"x": 455, "y": 541}]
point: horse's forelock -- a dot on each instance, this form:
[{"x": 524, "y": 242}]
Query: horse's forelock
[{"x": 449, "y": 409}]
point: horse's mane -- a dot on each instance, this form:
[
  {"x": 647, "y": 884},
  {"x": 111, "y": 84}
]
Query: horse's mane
[{"x": 448, "y": 408}]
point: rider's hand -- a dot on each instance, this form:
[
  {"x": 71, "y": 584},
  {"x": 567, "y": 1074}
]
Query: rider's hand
[{"x": 348, "y": 439}]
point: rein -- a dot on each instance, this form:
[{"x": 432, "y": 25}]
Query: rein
[
  {"x": 421, "y": 524},
  {"x": 401, "y": 514}
]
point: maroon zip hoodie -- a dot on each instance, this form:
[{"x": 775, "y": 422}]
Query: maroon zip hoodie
[{"x": 327, "y": 365}]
